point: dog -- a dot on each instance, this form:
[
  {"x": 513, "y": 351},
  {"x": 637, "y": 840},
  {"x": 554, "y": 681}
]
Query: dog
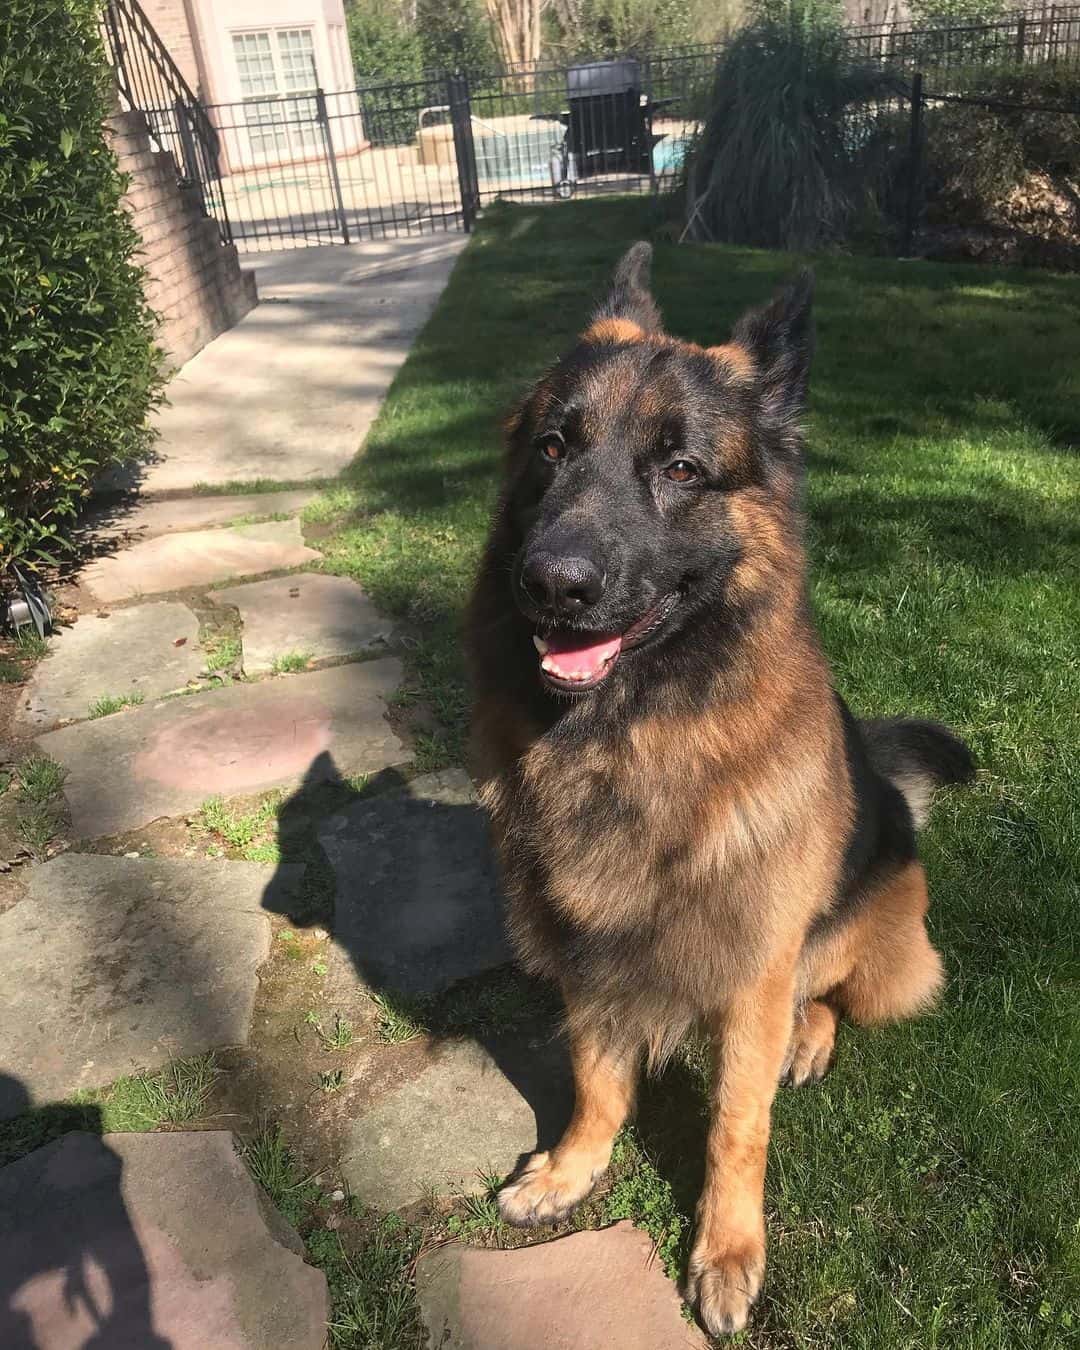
[{"x": 692, "y": 827}]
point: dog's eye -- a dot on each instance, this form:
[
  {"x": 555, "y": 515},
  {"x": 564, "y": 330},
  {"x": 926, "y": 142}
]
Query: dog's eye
[
  {"x": 681, "y": 471},
  {"x": 552, "y": 449}
]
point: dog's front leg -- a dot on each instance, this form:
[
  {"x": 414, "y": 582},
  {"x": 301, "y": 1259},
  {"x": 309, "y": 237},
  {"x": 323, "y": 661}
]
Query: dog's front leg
[
  {"x": 749, "y": 1040},
  {"x": 552, "y": 1184}
]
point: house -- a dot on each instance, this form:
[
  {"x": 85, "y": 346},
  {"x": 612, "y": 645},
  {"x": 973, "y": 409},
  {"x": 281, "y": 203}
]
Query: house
[{"x": 256, "y": 64}]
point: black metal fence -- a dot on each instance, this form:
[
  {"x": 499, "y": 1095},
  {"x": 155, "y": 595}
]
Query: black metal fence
[
  {"x": 396, "y": 158},
  {"x": 423, "y": 156},
  {"x": 1048, "y": 35}
]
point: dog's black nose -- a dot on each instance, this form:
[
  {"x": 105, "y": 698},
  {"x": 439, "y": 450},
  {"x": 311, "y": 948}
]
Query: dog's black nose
[{"x": 562, "y": 585}]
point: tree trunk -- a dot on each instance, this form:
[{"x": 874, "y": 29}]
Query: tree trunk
[{"x": 517, "y": 29}]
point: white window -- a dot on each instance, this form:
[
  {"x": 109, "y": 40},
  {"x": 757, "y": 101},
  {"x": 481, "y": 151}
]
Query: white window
[{"x": 273, "y": 64}]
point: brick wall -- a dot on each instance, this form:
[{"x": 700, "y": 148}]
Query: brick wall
[
  {"x": 172, "y": 23},
  {"x": 194, "y": 282}
]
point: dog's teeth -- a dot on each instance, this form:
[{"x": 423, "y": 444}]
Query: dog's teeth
[
  {"x": 547, "y": 664},
  {"x": 540, "y": 644}
]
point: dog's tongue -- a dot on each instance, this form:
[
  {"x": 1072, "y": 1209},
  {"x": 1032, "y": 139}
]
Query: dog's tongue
[{"x": 568, "y": 657}]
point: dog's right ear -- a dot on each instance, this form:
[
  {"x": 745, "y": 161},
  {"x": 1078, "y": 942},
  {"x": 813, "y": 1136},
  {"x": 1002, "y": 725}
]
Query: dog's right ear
[{"x": 629, "y": 305}]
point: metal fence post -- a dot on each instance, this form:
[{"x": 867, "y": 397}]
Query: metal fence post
[
  {"x": 189, "y": 165},
  {"x": 914, "y": 185},
  {"x": 1021, "y": 38},
  {"x": 331, "y": 162},
  {"x": 457, "y": 96}
]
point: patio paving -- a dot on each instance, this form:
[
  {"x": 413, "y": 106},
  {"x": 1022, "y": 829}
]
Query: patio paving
[
  {"x": 324, "y": 617},
  {"x": 143, "y": 652},
  {"x": 290, "y": 392},
  {"x": 417, "y": 905},
  {"x": 475, "y": 1110},
  {"x": 166, "y": 758},
  {"x": 589, "y": 1291},
  {"x": 179, "y": 561},
  {"x": 150, "y": 1242},
  {"x": 111, "y": 965}
]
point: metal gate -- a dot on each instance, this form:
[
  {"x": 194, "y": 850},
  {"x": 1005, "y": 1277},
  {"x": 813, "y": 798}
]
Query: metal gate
[{"x": 320, "y": 168}]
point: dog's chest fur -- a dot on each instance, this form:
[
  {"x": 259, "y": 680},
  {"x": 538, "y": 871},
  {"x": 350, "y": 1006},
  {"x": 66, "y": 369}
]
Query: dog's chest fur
[{"x": 647, "y": 860}]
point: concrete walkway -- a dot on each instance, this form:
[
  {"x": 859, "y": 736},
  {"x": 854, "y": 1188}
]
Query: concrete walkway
[{"x": 291, "y": 391}]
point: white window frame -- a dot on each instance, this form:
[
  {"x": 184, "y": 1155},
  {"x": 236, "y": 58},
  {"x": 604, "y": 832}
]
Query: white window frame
[{"x": 281, "y": 125}]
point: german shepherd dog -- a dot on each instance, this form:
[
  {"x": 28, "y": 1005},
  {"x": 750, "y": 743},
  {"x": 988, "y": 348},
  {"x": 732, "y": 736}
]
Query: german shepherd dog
[{"x": 692, "y": 827}]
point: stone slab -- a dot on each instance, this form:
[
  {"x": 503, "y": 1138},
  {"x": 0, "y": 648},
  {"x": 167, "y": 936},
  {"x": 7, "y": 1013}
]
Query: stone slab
[
  {"x": 114, "y": 964},
  {"x": 321, "y": 615},
  {"x": 476, "y": 1109},
  {"x": 147, "y": 649},
  {"x": 417, "y": 905},
  {"x": 165, "y": 759},
  {"x": 195, "y": 558},
  {"x": 290, "y": 392},
  {"x": 589, "y": 1291},
  {"x": 150, "y": 1242},
  {"x": 148, "y": 518}
]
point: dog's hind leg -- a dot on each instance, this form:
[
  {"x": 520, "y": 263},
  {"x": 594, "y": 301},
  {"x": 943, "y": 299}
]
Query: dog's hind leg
[
  {"x": 552, "y": 1184},
  {"x": 895, "y": 972},
  {"x": 878, "y": 967}
]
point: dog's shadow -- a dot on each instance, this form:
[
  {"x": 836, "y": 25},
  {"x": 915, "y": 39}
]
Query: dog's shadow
[{"x": 416, "y": 908}]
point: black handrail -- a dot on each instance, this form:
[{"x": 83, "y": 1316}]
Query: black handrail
[{"x": 150, "y": 82}]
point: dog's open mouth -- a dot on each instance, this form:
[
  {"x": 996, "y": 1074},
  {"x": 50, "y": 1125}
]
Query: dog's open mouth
[{"x": 574, "y": 659}]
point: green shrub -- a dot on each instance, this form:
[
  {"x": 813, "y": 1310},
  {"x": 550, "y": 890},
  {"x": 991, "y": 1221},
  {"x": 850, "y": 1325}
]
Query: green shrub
[
  {"x": 455, "y": 35},
  {"x": 793, "y": 134},
  {"x": 78, "y": 365},
  {"x": 384, "y": 47}
]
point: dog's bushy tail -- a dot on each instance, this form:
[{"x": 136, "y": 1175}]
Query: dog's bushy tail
[{"x": 917, "y": 757}]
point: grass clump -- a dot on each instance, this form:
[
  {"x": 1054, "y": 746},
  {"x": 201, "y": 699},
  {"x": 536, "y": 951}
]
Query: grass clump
[
  {"x": 38, "y": 825},
  {"x": 398, "y": 1019},
  {"x": 243, "y": 830},
  {"x": 174, "y": 1096},
  {"x": 290, "y": 663},
  {"x": 10, "y": 671},
  {"x": 373, "y": 1301},
  {"x": 114, "y": 703},
  {"x": 273, "y": 1165},
  {"x": 223, "y": 651},
  {"x": 340, "y": 1036},
  {"x": 41, "y": 778},
  {"x": 30, "y": 644}
]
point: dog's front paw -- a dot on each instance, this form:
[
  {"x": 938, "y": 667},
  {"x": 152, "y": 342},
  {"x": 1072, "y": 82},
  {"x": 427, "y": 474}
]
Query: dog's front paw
[
  {"x": 548, "y": 1189},
  {"x": 722, "y": 1288}
]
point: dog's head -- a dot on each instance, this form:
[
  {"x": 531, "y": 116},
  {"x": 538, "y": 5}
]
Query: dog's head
[{"x": 652, "y": 483}]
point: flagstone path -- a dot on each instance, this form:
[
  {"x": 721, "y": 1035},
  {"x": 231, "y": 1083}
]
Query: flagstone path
[{"x": 116, "y": 958}]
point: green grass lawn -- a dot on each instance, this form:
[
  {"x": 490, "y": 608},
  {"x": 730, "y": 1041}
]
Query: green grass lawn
[{"x": 928, "y": 1193}]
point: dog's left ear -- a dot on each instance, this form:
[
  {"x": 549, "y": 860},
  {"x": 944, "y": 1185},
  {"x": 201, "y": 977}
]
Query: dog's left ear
[
  {"x": 779, "y": 340},
  {"x": 630, "y": 301}
]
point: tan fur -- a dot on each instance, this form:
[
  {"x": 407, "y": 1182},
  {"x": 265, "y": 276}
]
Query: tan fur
[
  {"x": 553, "y": 1183},
  {"x": 881, "y": 967},
  {"x": 749, "y": 1038},
  {"x": 736, "y": 360},
  {"x": 613, "y": 330}
]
